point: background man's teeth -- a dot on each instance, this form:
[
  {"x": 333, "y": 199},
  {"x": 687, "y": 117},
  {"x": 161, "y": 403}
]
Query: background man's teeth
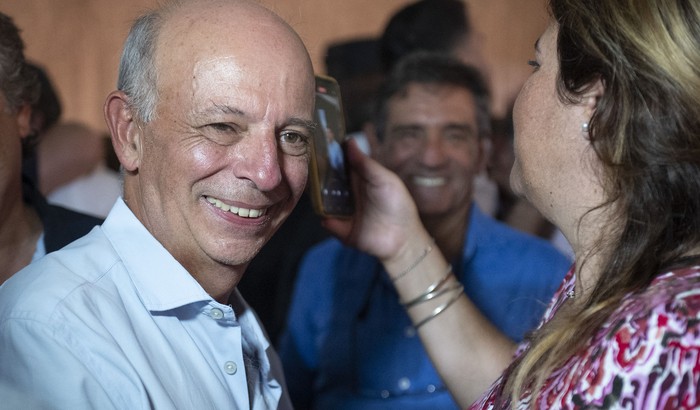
[{"x": 428, "y": 181}]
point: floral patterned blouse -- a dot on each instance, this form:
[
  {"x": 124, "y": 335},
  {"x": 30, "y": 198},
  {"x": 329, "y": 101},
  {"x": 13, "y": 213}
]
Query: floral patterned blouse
[{"x": 646, "y": 356}]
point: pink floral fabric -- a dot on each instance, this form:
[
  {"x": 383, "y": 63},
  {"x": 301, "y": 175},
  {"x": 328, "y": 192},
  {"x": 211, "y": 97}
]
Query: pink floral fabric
[{"x": 646, "y": 356}]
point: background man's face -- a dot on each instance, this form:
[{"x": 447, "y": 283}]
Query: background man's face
[{"x": 431, "y": 142}]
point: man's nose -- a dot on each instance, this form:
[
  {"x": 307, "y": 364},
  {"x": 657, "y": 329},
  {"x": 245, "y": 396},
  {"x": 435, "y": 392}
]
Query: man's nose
[
  {"x": 433, "y": 151},
  {"x": 258, "y": 160}
]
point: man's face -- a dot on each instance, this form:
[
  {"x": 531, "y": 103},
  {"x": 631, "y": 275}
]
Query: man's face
[
  {"x": 225, "y": 160},
  {"x": 431, "y": 142}
]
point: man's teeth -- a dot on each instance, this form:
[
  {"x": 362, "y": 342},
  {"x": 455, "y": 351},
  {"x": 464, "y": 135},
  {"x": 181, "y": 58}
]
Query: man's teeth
[
  {"x": 244, "y": 212},
  {"x": 428, "y": 182}
]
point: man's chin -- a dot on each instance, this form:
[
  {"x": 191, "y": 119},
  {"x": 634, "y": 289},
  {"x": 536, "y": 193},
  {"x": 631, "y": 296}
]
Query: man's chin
[{"x": 427, "y": 212}]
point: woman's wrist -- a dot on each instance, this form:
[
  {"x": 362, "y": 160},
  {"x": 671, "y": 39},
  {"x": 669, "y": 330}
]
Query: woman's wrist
[{"x": 409, "y": 256}]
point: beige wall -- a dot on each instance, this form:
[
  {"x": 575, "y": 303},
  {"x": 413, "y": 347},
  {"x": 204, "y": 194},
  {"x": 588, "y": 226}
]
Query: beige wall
[{"x": 78, "y": 41}]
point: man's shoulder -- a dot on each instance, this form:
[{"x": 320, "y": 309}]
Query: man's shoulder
[
  {"x": 331, "y": 259},
  {"x": 332, "y": 251},
  {"x": 45, "y": 285},
  {"x": 498, "y": 241},
  {"x": 500, "y": 233}
]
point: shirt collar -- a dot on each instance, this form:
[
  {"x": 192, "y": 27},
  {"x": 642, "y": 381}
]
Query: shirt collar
[{"x": 161, "y": 282}]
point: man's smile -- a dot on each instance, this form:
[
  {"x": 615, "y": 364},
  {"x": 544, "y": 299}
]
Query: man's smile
[
  {"x": 242, "y": 212},
  {"x": 428, "y": 181}
]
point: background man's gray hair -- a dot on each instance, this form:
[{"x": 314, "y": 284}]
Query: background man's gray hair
[{"x": 17, "y": 82}]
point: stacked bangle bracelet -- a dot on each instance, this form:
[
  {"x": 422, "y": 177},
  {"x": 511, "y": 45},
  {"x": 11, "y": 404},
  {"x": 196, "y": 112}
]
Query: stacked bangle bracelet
[
  {"x": 441, "y": 308},
  {"x": 436, "y": 289},
  {"x": 431, "y": 292}
]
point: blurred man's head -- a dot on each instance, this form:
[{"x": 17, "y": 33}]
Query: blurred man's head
[
  {"x": 432, "y": 122},
  {"x": 439, "y": 26},
  {"x": 18, "y": 90},
  {"x": 18, "y": 83}
]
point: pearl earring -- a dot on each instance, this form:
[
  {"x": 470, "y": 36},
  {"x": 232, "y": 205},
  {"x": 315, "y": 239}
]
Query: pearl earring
[{"x": 584, "y": 128}]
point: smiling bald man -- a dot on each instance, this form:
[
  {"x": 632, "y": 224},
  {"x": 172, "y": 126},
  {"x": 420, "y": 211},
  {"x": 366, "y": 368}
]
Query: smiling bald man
[{"x": 211, "y": 123}]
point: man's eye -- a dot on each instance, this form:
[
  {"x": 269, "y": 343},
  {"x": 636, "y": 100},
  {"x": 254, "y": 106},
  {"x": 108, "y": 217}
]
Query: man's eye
[
  {"x": 534, "y": 64},
  {"x": 294, "y": 143},
  {"x": 221, "y": 133},
  {"x": 405, "y": 135},
  {"x": 457, "y": 136},
  {"x": 222, "y": 127}
]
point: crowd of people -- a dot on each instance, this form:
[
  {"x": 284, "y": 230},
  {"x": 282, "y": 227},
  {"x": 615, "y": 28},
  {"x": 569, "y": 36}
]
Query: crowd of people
[{"x": 422, "y": 298}]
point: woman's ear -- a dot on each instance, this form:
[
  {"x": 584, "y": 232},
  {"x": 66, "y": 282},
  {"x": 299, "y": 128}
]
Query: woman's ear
[
  {"x": 591, "y": 97},
  {"x": 124, "y": 129}
]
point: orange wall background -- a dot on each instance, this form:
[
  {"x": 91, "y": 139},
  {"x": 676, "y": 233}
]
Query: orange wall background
[{"x": 79, "y": 41}]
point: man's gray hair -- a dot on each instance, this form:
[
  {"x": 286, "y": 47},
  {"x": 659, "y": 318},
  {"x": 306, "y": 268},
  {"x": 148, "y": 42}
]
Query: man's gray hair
[
  {"x": 18, "y": 83},
  {"x": 137, "y": 72}
]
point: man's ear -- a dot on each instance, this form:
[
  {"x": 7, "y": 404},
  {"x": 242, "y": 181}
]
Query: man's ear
[
  {"x": 370, "y": 132},
  {"x": 125, "y": 131},
  {"x": 24, "y": 120}
]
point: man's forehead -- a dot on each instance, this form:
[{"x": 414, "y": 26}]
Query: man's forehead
[
  {"x": 196, "y": 45},
  {"x": 420, "y": 96},
  {"x": 433, "y": 88},
  {"x": 221, "y": 23}
]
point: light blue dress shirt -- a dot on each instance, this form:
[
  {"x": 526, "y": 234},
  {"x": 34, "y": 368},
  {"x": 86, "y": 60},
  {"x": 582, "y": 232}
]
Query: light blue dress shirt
[{"x": 114, "y": 321}]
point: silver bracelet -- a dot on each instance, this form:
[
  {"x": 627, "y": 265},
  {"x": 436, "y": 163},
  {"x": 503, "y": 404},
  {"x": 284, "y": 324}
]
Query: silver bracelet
[
  {"x": 426, "y": 251},
  {"x": 441, "y": 308},
  {"x": 430, "y": 293}
]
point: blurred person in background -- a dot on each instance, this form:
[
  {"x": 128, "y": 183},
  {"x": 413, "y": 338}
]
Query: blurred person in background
[
  {"x": 72, "y": 169},
  {"x": 29, "y": 226}
]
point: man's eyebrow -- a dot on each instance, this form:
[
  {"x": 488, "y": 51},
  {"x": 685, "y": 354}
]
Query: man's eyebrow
[
  {"x": 223, "y": 109},
  {"x": 300, "y": 122},
  {"x": 405, "y": 127},
  {"x": 227, "y": 109},
  {"x": 459, "y": 126}
]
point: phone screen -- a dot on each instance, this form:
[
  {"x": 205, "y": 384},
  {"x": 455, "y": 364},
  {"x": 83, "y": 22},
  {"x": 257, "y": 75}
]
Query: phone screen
[{"x": 330, "y": 183}]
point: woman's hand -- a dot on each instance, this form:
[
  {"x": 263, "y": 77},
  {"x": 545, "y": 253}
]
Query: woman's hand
[{"x": 385, "y": 215}]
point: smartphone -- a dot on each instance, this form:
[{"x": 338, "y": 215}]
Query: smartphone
[{"x": 328, "y": 174}]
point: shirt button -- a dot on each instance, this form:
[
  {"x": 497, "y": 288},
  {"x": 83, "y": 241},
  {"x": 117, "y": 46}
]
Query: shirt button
[
  {"x": 404, "y": 383},
  {"x": 384, "y": 394},
  {"x": 230, "y": 367},
  {"x": 217, "y": 314},
  {"x": 431, "y": 388}
]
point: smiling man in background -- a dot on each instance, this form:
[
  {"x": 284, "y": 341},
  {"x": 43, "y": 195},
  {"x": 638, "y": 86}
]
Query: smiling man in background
[{"x": 349, "y": 343}]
